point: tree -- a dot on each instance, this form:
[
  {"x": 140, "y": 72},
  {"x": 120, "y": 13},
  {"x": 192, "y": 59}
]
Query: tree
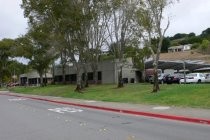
[
  {"x": 138, "y": 55},
  {"x": 205, "y": 33},
  {"x": 41, "y": 54},
  {"x": 183, "y": 41},
  {"x": 65, "y": 19},
  {"x": 191, "y": 34},
  {"x": 96, "y": 36},
  {"x": 118, "y": 19},
  {"x": 165, "y": 44},
  {"x": 6, "y": 51},
  {"x": 149, "y": 18},
  {"x": 179, "y": 36},
  {"x": 204, "y": 46},
  {"x": 15, "y": 68},
  {"x": 194, "y": 39}
]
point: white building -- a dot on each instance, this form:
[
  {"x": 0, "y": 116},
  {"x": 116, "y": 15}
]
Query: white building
[{"x": 180, "y": 48}]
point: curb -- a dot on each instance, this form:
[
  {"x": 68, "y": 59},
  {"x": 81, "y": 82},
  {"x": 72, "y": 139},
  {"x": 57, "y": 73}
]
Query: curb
[{"x": 138, "y": 113}]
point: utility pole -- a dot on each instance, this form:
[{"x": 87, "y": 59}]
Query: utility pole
[{"x": 184, "y": 67}]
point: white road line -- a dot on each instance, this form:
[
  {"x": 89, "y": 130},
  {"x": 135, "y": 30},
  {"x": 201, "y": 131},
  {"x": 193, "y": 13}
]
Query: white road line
[
  {"x": 90, "y": 101},
  {"x": 17, "y": 99},
  {"x": 161, "y": 108},
  {"x": 65, "y": 110}
]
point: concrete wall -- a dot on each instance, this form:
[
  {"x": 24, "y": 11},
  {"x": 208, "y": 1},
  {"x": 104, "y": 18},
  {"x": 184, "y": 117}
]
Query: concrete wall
[
  {"x": 27, "y": 78},
  {"x": 109, "y": 70}
]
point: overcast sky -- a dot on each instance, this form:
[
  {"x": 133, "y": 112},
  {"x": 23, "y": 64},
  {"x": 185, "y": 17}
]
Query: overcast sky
[
  {"x": 12, "y": 21},
  {"x": 189, "y": 16},
  {"x": 186, "y": 16}
]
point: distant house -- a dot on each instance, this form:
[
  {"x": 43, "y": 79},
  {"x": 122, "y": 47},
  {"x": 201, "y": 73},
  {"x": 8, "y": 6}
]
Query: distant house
[
  {"x": 33, "y": 79},
  {"x": 180, "y": 48}
]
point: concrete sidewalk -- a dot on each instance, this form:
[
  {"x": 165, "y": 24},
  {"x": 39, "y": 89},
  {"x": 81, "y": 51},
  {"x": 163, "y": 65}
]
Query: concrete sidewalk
[{"x": 191, "y": 113}]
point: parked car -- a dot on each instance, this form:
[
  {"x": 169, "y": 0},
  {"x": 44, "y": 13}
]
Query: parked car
[
  {"x": 12, "y": 84},
  {"x": 173, "y": 78},
  {"x": 207, "y": 78},
  {"x": 161, "y": 78},
  {"x": 148, "y": 78},
  {"x": 193, "y": 78}
]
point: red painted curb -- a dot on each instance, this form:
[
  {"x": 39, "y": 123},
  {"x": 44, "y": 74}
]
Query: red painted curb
[{"x": 162, "y": 116}]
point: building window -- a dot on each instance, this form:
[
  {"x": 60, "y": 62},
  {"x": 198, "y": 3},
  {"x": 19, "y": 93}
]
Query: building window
[
  {"x": 58, "y": 78},
  {"x": 125, "y": 80},
  {"x": 90, "y": 76},
  {"x": 99, "y": 75},
  {"x": 132, "y": 80},
  {"x": 67, "y": 78},
  {"x": 73, "y": 77}
]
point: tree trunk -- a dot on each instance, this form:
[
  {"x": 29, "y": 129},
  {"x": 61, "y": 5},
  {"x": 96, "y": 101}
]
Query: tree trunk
[
  {"x": 143, "y": 76},
  {"x": 45, "y": 82},
  {"x": 63, "y": 73},
  {"x": 1, "y": 81},
  {"x": 79, "y": 81},
  {"x": 156, "y": 87},
  {"x": 120, "y": 80},
  {"x": 41, "y": 79},
  {"x": 86, "y": 80},
  {"x": 95, "y": 77},
  {"x": 78, "y": 87},
  {"x": 53, "y": 73}
]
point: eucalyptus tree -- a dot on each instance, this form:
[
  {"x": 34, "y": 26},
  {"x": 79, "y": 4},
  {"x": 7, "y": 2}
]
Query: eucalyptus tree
[
  {"x": 70, "y": 20},
  {"x": 149, "y": 25},
  {"x": 78, "y": 22},
  {"x": 96, "y": 35},
  {"x": 76, "y": 35},
  {"x": 118, "y": 21}
]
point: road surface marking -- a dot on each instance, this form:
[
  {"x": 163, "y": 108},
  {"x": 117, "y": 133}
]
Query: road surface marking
[
  {"x": 17, "y": 99},
  {"x": 90, "y": 101},
  {"x": 161, "y": 107},
  {"x": 65, "y": 109}
]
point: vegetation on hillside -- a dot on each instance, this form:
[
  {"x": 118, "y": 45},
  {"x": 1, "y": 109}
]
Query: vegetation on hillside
[{"x": 199, "y": 42}]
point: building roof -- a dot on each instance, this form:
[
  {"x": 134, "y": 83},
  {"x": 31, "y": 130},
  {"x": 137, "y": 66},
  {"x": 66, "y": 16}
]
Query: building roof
[
  {"x": 34, "y": 74},
  {"x": 192, "y": 59},
  {"x": 187, "y": 55},
  {"x": 176, "y": 47}
]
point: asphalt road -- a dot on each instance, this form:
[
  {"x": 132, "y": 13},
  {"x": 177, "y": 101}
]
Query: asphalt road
[{"x": 26, "y": 119}]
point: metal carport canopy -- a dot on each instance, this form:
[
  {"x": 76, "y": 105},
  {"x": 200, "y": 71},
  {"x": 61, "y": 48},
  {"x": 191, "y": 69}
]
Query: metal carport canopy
[{"x": 190, "y": 65}]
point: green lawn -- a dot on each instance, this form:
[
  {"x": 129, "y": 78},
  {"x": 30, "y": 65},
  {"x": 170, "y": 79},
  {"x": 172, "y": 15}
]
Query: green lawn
[{"x": 190, "y": 95}]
